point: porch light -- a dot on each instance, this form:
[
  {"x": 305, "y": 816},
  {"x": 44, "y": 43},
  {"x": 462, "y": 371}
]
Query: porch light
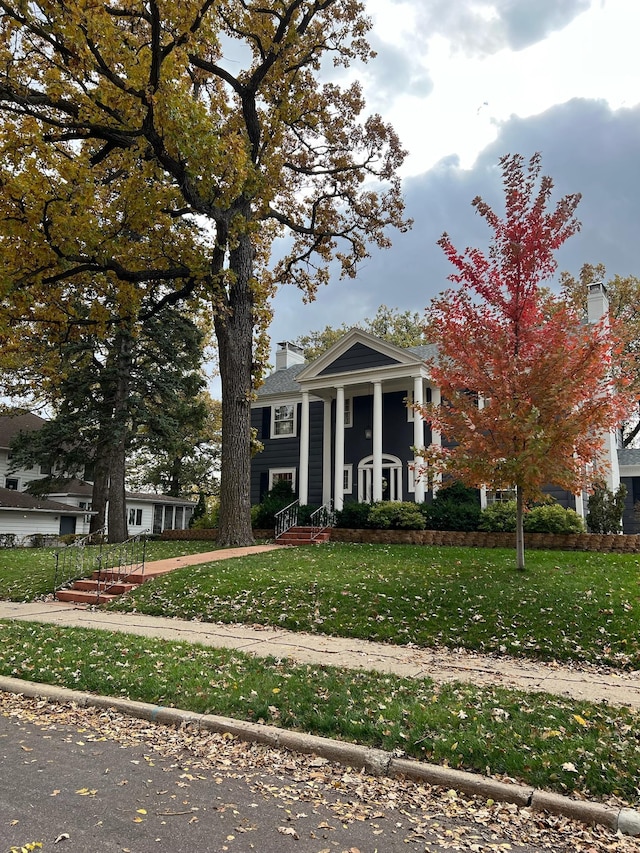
[{"x": 368, "y": 433}]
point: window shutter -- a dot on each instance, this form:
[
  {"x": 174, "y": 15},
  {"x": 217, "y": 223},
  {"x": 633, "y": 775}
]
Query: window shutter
[{"x": 266, "y": 422}]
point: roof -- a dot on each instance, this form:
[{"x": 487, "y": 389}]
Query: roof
[
  {"x": 84, "y": 489},
  {"x": 14, "y": 423},
  {"x": 285, "y": 381},
  {"x": 75, "y": 487},
  {"x": 281, "y": 381},
  {"x": 628, "y": 456},
  {"x": 10, "y": 499},
  {"x": 151, "y": 497}
]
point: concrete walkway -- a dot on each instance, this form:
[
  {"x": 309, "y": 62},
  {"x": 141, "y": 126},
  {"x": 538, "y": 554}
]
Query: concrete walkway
[{"x": 584, "y": 682}]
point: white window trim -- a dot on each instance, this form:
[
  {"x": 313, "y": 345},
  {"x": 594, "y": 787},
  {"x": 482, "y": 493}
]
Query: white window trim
[
  {"x": 411, "y": 476},
  {"x": 348, "y": 470},
  {"x": 348, "y": 412},
  {"x": 275, "y": 406},
  {"x": 275, "y": 471},
  {"x": 409, "y": 402}
]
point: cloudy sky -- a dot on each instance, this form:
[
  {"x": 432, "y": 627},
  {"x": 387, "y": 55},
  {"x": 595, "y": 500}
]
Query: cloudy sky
[{"x": 466, "y": 81}]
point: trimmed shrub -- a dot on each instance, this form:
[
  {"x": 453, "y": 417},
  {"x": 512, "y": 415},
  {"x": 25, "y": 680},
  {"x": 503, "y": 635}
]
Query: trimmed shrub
[
  {"x": 499, "y": 518},
  {"x": 552, "y": 518},
  {"x": 454, "y": 507},
  {"x": 396, "y": 515},
  {"x": 547, "y": 518},
  {"x": 354, "y": 516},
  {"x": 277, "y": 498}
]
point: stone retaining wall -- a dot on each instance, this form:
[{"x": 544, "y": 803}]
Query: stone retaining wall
[
  {"x": 553, "y": 541},
  {"x": 478, "y": 539}
]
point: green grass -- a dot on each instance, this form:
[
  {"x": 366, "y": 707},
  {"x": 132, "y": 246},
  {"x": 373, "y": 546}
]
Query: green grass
[
  {"x": 549, "y": 742},
  {"x": 28, "y": 573},
  {"x": 568, "y": 606}
]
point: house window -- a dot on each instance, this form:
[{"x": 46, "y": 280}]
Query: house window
[
  {"x": 283, "y": 421},
  {"x": 347, "y": 480},
  {"x": 11, "y": 483},
  {"x": 497, "y": 496},
  {"x": 276, "y": 475},
  {"x": 45, "y": 469},
  {"x": 179, "y": 513},
  {"x": 348, "y": 412},
  {"x": 135, "y": 517}
]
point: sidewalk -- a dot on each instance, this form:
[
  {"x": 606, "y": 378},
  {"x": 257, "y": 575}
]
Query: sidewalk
[{"x": 590, "y": 683}]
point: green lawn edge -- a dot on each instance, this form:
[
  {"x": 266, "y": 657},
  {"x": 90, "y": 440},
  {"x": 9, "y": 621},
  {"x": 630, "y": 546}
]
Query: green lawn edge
[{"x": 541, "y": 740}]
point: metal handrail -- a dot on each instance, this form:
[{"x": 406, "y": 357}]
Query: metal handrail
[
  {"x": 287, "y": 518},
  {"x": 322, "y": 518},
  {"x": 115, "y": 562},
  {"x": 124, "y": 558},
  {"x": 70, "y": 560}
]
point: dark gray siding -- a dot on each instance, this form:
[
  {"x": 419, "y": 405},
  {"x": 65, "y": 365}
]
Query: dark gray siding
[
  {"x": 316, "y": 421},
  {"x": 631, "y": 517},
  {"x": 285, "y": 452},
  {"x": 357, "y": 357},
  {"x": 562, "y": 496}
]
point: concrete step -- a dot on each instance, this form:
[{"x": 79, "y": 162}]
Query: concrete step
[
  {"x": 117, "y": 588},
  {"x": 110, "y": 576},
  {"x": 303, "y": 536},
  {"x": 79, "y": 596}
]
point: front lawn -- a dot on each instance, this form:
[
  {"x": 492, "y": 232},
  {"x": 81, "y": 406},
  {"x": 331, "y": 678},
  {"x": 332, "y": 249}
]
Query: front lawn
[
  {"x": 567, "y": 605},
  {"x": 546, "y": 741}
]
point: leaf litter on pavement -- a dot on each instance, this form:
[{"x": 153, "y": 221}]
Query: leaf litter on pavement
[{"x": 460, "y": 822}]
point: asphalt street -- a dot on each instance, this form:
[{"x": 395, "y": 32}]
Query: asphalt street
[{"x": 97, "y": 783}]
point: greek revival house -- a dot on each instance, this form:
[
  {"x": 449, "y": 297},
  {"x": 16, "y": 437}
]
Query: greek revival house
[{"x": 339, "y": 428}]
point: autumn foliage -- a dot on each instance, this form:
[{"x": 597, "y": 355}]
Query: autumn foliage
[
  {"x": 164, "y": 146},
  {"x": 528, "y": 389}
]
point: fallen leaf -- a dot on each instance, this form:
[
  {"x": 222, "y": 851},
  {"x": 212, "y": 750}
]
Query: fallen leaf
[
  {"x": 64, "y": 836},
  {"x": 288, "y": 830}
]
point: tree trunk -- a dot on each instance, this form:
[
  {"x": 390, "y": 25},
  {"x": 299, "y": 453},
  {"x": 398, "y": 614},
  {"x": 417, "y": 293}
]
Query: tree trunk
[
  {"x": 519, "y": 530},
  {"x": 118, "y": 530},
  {"x": 117, "y": 512},
  {"x": 100, "y": 488},
  {"x": 234, "y": 332}
]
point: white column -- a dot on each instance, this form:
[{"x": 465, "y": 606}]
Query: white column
[
  {"x": 303, "y": 471},
  {"x": 326, "y": 452},
  {"x": 377, "y": 441},
  {"x": 418, "y": 440},
  {"x": 338, "y": 490},
  {"x": 436, "y": 436},
  {"x": 483, "y": 489}
]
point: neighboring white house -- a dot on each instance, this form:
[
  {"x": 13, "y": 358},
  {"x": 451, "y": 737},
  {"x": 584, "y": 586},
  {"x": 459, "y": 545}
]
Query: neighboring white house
[
  {"x": 67, "y": 509},
  {"x": 23, "y": 516}
]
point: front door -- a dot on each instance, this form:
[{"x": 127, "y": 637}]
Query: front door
[
  {"x": 67, "y": 524},
  {"x": 391, "y": 479}
]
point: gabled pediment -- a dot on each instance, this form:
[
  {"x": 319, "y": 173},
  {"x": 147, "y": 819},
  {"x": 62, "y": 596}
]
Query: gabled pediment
[{"x": 357, "y": 352}]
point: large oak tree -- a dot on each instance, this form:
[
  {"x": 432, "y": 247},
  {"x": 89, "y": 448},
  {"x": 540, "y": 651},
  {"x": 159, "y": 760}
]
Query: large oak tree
[{"x": 215, "y": 109}]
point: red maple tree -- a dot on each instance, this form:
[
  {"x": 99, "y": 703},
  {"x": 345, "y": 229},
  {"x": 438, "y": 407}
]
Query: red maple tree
[{"x": 528, "y": 389}]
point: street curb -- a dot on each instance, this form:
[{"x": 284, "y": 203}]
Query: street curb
[{"x": 378, "y": 762}]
